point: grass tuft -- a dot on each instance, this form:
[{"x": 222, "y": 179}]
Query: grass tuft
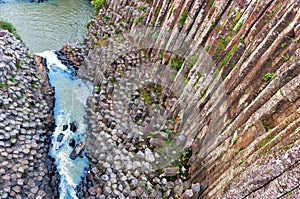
[{"x": 11, "y": 28}]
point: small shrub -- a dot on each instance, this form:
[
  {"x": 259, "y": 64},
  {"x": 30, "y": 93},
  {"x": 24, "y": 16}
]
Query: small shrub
[
  {"x": 286, "y": 57},
  {"x": 8, "y": 26},
  {"x": 143, "y": 8},
  {"x": 12, "y": 79},
  {"x": 183, "y": 18},
  {"x": 241, "y": 162},
  {"x": 211, "y": 3},
  {"x": 98, "y": 4},
  {"x": 176, "y": 63},
  {"x": 238, "y": 151},
  {"x": 283, "y": 45},
  {"x": 117, "y": 31},
  {"x": 269, "y": 76},
  {"x": 27, "y": 53},
  {"x": 207, "y": 48},
  {"x": 139, "y": 20}
]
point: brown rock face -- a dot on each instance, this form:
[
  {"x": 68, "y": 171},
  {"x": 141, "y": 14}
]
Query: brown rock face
[{"x": 244, "y": 121}]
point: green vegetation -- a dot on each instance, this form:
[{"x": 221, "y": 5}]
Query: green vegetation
[
  {"x": 198, "y": 78},
  {"x": 143, "y": 9},
  {"x": 98, "y": 4},
  {"x": 235, "y": 139},
  {"x": 155, "y": 35},
  {"x": 12, "y": 79},
  {"x": 243, "y": 39},
  {"x": 273, "y": 12},
  {"x": 176, "y": 63},
  {"x": 153, "y": 24},
  {"x": 171, "y": 11},
  {"x": 146, "y": 95},
  {"x": 235, "y": 24},
  {"x": 97, "y": 88},
  {"x": 283, "y": 45},
  {"x": 207, "y": 48},
  {"x": 138, "y": 20},
  {"x": 266, "y": 141},
  {"x": 117, "y": 31},
  {"x": 27, "y": 53},
  {"x": 88, "y": 24},
  {"x": 211, "y": 3},
  {"x": 265, "y": 124},
  {"x": 151, "y": 135},
  {"x": 193, "y": 59},
  {"x": 226, "y": 58},
  {"x": 203, "y": 91},
  {"x": 261, "y": 154},
  {"x": 183, "y": 18},
  {"x": 241, "y": 162},
  {"x": 157, "y": 12},
  {"x": 238, "y": 151},
  {"x": 286, "y": 57},
  {"x": 8, "y": 26},
  {"x": 269, "y": 76},
  {"x": 295, "y": 41},
  {"x": 22, "y": 95},
  {"x": 172, "y": 76},
  {"x": 20, "y": 63},
  {"x": 239, "y": 26},
  {"x": 214, "y": 24}
]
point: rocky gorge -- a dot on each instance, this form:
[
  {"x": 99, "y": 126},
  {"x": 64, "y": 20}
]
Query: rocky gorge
[
  {"x": 191, "y": 99},
  {"x": 26, "y": 104}
]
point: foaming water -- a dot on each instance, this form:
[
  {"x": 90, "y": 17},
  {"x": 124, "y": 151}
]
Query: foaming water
[
  {"x": 48, "y": 25},
  {"x": 71, "y": 94}
]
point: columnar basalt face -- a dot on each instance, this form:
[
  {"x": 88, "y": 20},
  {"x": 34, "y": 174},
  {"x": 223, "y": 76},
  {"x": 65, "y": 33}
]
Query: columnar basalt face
[
  {"x": 244, "y": 80},
  {"x": 26, "y": 122}
]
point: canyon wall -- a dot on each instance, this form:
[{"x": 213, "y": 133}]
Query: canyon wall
[
  {"x": 240, "y": 65},
  {"x": 26, "y": 123}
]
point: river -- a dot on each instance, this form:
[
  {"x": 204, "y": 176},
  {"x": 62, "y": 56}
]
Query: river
[
  {"x": 46, "y": 27},
  {"x": 49, "y": 25},
  {"x": 71, "y": 94}
]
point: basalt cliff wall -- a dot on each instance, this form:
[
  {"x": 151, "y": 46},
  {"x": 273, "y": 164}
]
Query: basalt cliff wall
[{"x": 241, "y": 86}]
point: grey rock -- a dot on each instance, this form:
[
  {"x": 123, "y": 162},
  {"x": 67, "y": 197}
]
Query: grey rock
[
  {"x": 156, "y": 142},
  {"x": 171, "y": 171},
  {"x": 77, "y": 150},
  {"x": 187, "y": 194},
  {"x": 149, "y": 157}
]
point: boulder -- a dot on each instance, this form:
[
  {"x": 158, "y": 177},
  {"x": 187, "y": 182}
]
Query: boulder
[
  {"x": 73, "y": 126},
  {"x": 77, "y": 150},
  {"x": 60, "y": 137}
]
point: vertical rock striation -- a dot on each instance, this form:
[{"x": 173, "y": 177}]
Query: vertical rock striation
[{"x": 241, "y": 90}]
